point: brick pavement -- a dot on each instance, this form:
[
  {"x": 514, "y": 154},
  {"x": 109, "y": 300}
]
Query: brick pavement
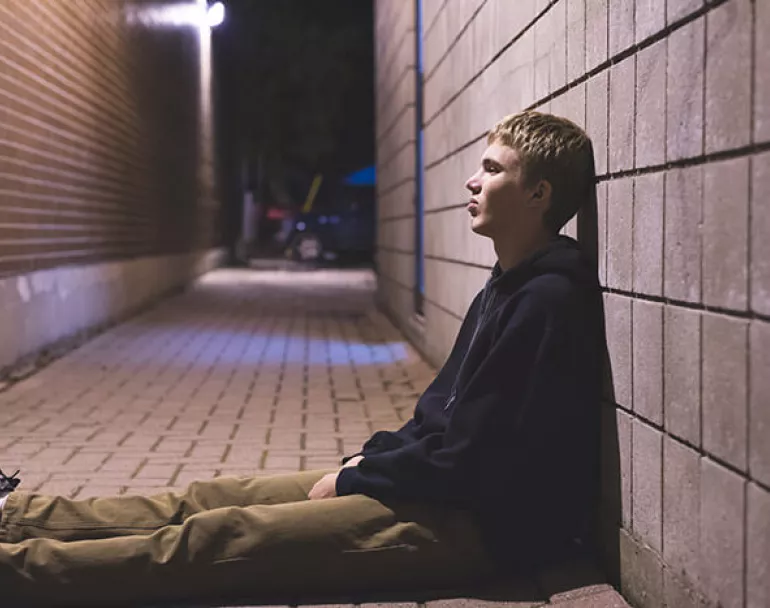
[{"x": 246, "y": 373}]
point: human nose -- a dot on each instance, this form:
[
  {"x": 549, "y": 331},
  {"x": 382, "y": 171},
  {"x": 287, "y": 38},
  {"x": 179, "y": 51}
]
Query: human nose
[{"x": 473, "y": 183}]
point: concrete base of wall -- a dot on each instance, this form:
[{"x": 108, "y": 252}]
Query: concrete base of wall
[
  {"x": 45, "y": 307},
  {"x": 396, "y": 302},
  {"x": 433, "y": 335}
]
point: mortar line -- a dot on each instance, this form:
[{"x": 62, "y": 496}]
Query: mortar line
[
  {"x": 700, "y": 451},
  {"x": 632, "y": 49},
  {"x": 450, "y": 47}
]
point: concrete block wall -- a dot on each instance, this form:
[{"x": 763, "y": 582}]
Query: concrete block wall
[
  {"x": 107, "y": 194},
  {"x": 396, "y": 149},
  {"x": 676, "y": 97}
]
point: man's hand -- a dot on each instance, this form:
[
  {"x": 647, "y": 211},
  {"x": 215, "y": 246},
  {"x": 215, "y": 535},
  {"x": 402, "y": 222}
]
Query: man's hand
[{"x": 325, "y": 488}]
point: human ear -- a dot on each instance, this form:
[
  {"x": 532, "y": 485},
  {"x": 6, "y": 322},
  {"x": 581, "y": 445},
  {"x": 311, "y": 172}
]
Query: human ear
[{"x": 541, "y": 193}]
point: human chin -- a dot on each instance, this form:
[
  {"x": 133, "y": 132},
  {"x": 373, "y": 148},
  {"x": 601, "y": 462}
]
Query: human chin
[{"x": 479, "y": 225}]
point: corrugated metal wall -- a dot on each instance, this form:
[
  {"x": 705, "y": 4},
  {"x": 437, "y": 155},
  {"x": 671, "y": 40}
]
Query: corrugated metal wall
[{"x": 105, "y": 136}]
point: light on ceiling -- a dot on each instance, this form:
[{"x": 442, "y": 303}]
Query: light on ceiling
[{"x": 215, "y": 15}]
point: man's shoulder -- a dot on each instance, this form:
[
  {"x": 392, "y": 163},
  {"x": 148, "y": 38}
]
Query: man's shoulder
[
  {"x": 551, "y": 289},
  {"x": 549, "y": 295}
]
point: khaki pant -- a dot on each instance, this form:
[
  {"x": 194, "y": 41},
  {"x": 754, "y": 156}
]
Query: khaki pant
[{"x": 229, "y": 537}]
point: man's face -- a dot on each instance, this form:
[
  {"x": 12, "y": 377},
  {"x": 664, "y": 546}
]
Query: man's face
[{"x": 501, "y": 203}]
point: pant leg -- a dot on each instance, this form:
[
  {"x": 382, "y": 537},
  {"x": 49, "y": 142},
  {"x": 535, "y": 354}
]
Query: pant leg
[
  {"x": 37, "y": 516},
  {"x": 339, "y": 546}
]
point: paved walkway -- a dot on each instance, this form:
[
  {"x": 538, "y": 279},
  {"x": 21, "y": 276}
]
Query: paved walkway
[{"x": 246, "y": 373}]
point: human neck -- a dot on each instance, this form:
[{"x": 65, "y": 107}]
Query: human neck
[{"x": 510, "y": 252}]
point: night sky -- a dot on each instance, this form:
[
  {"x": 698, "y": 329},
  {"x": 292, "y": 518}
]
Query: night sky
[{"x": 295, "y": 83}]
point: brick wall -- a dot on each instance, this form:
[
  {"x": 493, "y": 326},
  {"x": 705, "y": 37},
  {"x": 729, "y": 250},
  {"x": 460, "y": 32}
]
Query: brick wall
[
  {"x": 676, "y": 97},
  {"x": 105, "y": 137},
  {"x": 107, "y": 194}
]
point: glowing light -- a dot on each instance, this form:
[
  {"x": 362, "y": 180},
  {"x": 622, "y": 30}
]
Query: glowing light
[
  {"x": 267, "y": 349},
  {"x": 216, "y": 14},
  {"x": 197, "y": 14}
]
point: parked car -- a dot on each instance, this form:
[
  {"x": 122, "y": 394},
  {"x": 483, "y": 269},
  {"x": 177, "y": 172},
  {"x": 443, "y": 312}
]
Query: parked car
[{"x": 343, "y": 228}]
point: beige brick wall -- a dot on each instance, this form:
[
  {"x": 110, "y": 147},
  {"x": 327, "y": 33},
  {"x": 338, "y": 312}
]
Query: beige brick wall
[
  {"x": 107, "y": 194},
  {"x": 676, "y": 97}
]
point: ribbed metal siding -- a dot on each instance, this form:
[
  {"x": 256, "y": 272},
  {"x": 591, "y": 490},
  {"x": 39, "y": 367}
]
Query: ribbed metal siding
[{"x": 101, "y": 155}]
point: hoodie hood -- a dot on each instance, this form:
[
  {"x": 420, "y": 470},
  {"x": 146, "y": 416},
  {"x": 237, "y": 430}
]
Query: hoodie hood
[{"x": 562, "y": 255}]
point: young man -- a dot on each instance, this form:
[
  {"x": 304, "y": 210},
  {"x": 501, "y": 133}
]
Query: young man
[{"x": 497, "y": 469}]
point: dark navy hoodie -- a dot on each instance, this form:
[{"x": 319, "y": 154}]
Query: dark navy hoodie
[{"x": 509, "y": 428}]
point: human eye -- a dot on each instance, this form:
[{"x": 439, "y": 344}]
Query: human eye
[{"x": 490, "y": 167}]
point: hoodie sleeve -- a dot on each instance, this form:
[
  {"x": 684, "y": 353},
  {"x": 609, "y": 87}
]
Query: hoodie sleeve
[
  {"x": 382, "y": 441},
  {"x": 444, "y": 466}
]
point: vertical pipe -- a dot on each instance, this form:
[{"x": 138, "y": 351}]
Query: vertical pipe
[{"x": 419, "y": 283}]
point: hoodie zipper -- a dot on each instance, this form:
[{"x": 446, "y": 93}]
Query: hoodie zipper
[{"x": 487, "y": 299}]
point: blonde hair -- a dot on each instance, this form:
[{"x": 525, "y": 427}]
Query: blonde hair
[{"x": 554, "y": 149}]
